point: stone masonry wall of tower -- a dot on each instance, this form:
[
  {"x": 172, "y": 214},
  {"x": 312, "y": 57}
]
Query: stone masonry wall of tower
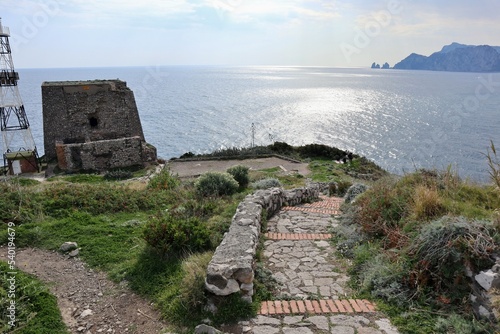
[{"x": 87, "y": 111}]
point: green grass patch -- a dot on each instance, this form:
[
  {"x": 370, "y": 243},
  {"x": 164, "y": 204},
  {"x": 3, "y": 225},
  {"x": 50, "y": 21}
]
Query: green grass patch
[
  {"x": 36, "y": 309},
  {"x": 108, "y": 219},
  {"x": 83, "y": 178}
]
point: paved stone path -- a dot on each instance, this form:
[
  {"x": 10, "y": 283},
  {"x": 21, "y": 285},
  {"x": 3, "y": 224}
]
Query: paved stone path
[{"x": 313, "y": 296}]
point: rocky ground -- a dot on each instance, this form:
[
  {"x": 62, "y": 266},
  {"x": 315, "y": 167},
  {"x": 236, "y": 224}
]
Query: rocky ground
[{"x": 89, "y": 302}]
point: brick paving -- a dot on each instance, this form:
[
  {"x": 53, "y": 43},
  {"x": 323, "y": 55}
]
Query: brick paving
[
  {"x": 321, "y": 306},
  {"x": 327, "y": 205},
  {"x": 312, "y": 295},
  {"x": 298, "y": 236}
]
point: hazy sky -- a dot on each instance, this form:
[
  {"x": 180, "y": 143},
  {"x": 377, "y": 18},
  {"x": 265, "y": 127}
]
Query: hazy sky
[{"x": 341, "y": 33}]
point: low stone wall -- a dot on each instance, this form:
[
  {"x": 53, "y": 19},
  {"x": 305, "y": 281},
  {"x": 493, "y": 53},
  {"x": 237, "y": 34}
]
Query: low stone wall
[{"x": 231, "y": 269}]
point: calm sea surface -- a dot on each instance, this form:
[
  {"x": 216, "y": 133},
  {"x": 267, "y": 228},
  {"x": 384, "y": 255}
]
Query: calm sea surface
[{"x": 402, "y": 120}]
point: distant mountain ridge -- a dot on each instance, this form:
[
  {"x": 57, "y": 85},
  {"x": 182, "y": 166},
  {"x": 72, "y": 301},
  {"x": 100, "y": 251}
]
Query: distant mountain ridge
[{"x": 455, "y": 57}]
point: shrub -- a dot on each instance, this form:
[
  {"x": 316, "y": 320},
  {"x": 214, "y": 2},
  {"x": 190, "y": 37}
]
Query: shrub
[
  {"x": 354, "y": 191},
  {"x": 216, "y": 184},
  {"x": 118, "y": 174},
  {"x": 342, "y": 187},
  {"x": 168, "y": 234},
  {"x": 382, "y": 206},
  {"x": 265, "y": 283},
  {"x": 458, "y": 324},
  {"x": 281, "y": 148},
  {"x": 347, "y": 238},
  {"x": 240, "y": 174},
  {"x": 266, "y": 183},
  {"x": 321, "y": 151},
  {"x": 384, "y": 279},
  {"x": 187, "y": 155},
  {"x": 444, "y": 248},
  {"x": 163, "y": 180}
]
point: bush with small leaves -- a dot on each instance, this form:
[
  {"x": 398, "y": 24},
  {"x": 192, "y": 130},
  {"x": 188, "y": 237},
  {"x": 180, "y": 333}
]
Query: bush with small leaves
[
  {"x": 445, "y": 247},
  {"x": 266, "y": 183},
  {"x": 216, "y": 184},
  {"x": 118, "y": 174},
  {"x": 163, "y": 180},
  {"x": 168, "y": 234},
  {"x": 354, "y": 191},
  {"x": 240, "y": 174},
  {"x": 383, "y": 278},
  {"x": 342, "y": 187},
  {"x": 456, "y": 323}
]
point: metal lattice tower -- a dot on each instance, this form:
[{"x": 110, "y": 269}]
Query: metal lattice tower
[{"x": 18, "y": 143}]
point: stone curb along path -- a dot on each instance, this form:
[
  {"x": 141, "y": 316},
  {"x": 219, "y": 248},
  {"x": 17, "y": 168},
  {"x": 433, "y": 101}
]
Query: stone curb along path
[{"x": 313, "y": 295}]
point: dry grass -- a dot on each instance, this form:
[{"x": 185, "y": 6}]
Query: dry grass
[
  {"x": 494, "y": 165},
  {"x": 495, "y": 301},
  {"x": 382, "y": 207},
  {"x": 427, "y": 203},
  {"x": 192, "y": 289},
  {"x": 137, "y": 185}
]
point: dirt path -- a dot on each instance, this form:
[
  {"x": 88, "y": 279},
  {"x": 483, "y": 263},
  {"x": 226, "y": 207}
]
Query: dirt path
[
  {"x": 196, "y": 168},
  {"x": 89, "y": 302}
]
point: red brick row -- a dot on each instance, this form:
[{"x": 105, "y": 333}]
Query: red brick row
[
  {"x": 312, "y": 210},
  {"x": 298, "y": 236},
  {"x": 322, "y": 306}
]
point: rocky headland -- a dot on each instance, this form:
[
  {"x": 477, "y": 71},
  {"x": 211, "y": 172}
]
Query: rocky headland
[{"x": 455, "y": 58}]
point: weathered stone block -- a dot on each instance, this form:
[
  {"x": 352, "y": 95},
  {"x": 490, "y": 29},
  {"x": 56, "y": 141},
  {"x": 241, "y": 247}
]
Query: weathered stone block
[
  {"x": 231, "y": 287},
  {"x": 488, "y": 279}
]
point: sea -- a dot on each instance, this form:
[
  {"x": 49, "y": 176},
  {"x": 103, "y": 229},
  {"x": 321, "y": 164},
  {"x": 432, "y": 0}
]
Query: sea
[{"x": 401, "y": 120}]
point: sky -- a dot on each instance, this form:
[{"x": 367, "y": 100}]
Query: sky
[{"x": 335, "y": 33}]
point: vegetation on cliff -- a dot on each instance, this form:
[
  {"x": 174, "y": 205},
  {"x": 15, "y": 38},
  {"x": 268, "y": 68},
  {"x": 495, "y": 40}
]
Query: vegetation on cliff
[{"x": 415, "y": 241}]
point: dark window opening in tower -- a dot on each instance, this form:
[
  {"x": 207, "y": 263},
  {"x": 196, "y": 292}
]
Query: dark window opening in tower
[{"x": 93, "y": 122}]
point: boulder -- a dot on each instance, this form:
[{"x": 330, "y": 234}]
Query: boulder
[
  {"x": 68, "y": 246},
  {"x": 488, "y": 279},
  {"x": 74, "y": 253},
  {"x": 205, "y": 329}
]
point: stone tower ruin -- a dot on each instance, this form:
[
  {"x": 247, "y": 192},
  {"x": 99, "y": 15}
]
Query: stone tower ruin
[{"x": 93, "y": 126}]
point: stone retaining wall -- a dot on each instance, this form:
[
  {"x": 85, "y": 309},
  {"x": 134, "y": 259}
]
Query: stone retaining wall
[
  {"x": 231, "y": 269},
  {"x": 104, "y": 154}
]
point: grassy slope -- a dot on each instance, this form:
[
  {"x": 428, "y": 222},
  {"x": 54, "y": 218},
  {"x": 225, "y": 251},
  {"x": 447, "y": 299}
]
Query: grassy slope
[{"x": 107, "y": 220}]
